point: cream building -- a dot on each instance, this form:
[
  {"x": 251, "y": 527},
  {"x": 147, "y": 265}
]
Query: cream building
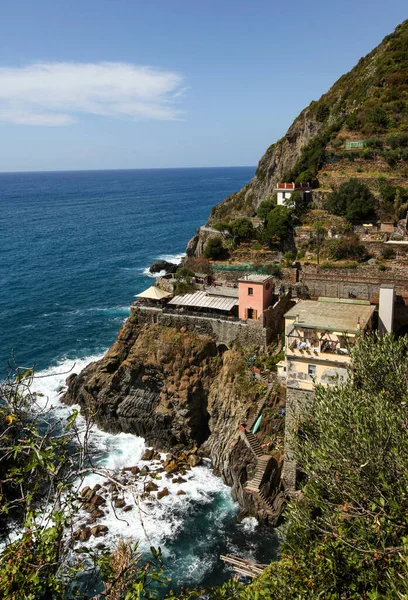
[{"x": 319, "y": 335}]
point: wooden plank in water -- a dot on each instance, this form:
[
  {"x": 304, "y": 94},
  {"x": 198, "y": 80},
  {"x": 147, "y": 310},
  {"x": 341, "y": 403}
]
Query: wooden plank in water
[{"x": 243, "y": 566}]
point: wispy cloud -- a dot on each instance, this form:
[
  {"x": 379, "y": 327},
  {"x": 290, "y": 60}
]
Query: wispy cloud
[{"x": 55, "y": 94}]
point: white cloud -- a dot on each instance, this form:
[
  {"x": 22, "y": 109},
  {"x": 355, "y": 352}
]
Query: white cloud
[{"x": 55, "y": 94}]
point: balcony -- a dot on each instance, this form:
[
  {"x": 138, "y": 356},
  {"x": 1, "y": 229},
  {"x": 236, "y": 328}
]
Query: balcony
[{"x": 322, "y": 349}]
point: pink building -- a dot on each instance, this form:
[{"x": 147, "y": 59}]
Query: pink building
[{"x": 255, "y": 294}]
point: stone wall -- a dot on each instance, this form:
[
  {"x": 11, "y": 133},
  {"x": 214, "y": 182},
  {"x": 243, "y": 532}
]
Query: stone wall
[
  {"x": 363, "y": 283},
  {"x": 296, "y": 399},
  {"x": 223, "y": 331},
  {"x": 272, "y": 317}
]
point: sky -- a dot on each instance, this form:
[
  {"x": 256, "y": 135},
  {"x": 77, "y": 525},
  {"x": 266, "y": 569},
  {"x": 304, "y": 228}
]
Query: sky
[{"x": 122, "y": 84}]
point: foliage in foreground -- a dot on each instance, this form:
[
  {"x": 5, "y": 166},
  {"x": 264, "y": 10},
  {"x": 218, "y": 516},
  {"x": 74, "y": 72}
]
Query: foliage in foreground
[
  {"x": 42, "y": 466},
  {"x": 346, "y": 536}
]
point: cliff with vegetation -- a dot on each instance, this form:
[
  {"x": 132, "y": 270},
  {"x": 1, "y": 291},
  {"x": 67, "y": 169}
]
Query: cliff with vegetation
[{"x": 369, "y": 104}]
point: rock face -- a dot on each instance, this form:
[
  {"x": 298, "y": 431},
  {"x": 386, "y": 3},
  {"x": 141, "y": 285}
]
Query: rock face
[
  {"x": 356, "y": 107},
  {"x": 163, "y": 265},
  {"x": 171, "y": 387},
  {"x": 153, "y": 382}
]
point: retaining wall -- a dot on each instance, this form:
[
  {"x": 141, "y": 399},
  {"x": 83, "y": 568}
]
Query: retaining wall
[
  {"x": 222, "y": 330},
  {"x": 296, "y": 399}
]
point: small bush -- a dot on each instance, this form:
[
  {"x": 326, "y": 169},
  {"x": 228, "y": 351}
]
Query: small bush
[
  {"x": 213, "y": 248},
  {"x": 242, "y": 229},
  {"x": 289, "y": 257},
  {"x": 387, "y": 252},
  {"x": 222, "y": 226},
  {"x": 274, "y": 270},
  {"x": 346, "y": 248}
]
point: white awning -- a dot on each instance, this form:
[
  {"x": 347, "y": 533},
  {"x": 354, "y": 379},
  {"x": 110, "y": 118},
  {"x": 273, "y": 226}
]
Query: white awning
[
  {"x": 153, "y": 293},
  {"x": 203, "y": 300}
]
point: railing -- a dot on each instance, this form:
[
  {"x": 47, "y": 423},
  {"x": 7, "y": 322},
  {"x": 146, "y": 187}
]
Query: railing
[
  {"x": 205, "y": 315},
  {"x": 295, "y": 345}
]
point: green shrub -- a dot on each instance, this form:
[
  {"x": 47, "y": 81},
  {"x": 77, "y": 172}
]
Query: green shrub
[
  {"x": 214, "y": 248},
  {"x": 289, "y": 257},
  {"x": 397, "y": 140},
  {"x": 353, "y": 123},
  {"x": 242, "y": 229},
  {"x": 223, "y": 226},
  {"x": 323, "y": 111},
  {"x": 265, "y": 208},
  {"x": 278, "y": 226},
  {"x": 387, "y": 252},
  {"x": 346, "y": 248},
  {"x": 352, "y": 200},
  {"x": 274, "y": 270},
  {"x": 375, "y": 143}
]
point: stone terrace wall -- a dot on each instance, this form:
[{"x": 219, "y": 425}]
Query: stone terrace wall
[
  {"x": 362, "y": 282},
  {"x": 222, "y": 330}
]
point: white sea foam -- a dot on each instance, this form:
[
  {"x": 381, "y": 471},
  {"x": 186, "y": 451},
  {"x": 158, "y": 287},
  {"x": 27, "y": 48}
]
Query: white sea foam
[
  {"x": 151, "y": 521},
  {"x": 147, "y": 273},
  {"x": 172, "y": 258}
]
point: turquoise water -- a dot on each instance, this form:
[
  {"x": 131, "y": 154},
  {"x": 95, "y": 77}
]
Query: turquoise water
[{"x": 74, "y": 249}]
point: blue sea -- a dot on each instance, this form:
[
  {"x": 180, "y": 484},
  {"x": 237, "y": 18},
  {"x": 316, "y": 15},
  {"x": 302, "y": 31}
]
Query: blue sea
[{"x": 74, "y": 250}]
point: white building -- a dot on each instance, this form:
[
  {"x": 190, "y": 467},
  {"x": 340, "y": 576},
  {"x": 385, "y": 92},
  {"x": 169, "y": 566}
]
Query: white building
[{"x": 285, "y": 190}]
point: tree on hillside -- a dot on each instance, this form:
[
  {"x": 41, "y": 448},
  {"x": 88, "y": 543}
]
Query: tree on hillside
[
  {"x": 265, "y": 208},
  {"x": 352, "y": 200},
  {"x": 242, "y": 229},
  {"x": 214, "y": 248},
  {"x": 393, "y": 203},
  {"x": 278, "y": 226}
]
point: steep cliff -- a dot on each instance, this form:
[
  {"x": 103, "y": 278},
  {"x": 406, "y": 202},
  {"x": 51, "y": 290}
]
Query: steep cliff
[
  {"x": 370, "y": 104},
  {"x": 171, "y": 387}
]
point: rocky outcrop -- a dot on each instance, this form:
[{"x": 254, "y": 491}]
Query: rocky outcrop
[
  {"x": 160, "y": 266},
  {"x": 153, "y": 382},
  {"x": 171, "y": 387}
]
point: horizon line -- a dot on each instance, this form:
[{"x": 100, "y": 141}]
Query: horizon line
[{"x": 127, "y": 169}]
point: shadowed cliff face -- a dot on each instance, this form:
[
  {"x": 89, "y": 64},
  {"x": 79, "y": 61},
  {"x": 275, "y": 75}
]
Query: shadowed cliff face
[
  {"x": 153, "y": 382},
  {"x": 172, "y": 388}
]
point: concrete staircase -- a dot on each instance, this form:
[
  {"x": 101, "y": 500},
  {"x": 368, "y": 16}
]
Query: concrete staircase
[
  {"x": 261, "y": 403},
  {"x": 253, "y": 485},
  {"x": 253, "y": 443}
]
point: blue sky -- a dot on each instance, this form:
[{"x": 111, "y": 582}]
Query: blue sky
[{"x": 98, "y": 84}]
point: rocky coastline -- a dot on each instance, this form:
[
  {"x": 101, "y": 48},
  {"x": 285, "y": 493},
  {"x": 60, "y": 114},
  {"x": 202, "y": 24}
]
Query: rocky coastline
[{"x": 173, "y": 388}]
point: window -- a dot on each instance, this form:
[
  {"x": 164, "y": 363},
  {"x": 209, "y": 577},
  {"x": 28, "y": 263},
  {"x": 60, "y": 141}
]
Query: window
[
  {"x": 250, "y": 291},
  {"x": 283, "y": 195},
  {"x": 311, "y": 370}
]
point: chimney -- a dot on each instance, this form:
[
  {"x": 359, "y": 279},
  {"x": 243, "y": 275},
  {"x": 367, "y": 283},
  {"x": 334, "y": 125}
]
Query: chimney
[{"x": 386, "y": 309}]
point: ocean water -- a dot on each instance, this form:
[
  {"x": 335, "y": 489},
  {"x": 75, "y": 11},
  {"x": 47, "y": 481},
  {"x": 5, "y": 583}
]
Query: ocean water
[{"x": 74, "y": 250}]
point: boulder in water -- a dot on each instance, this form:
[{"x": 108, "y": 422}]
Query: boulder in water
[
  {"x": 163, "y": 265},
  {"x": 148, "y": 454},
  {"x": 162, "y": 493}
]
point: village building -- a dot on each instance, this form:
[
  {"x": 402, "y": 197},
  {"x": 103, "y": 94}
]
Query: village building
[
  {"x": 255, "y": 293},
  {"x": 248, "y": 313},
  {"x": 318, "y": 338},
  {"x": 153, "y": 296},
  {"x": 285, "y": 190},
  {"x": 319, "y": 335}
]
